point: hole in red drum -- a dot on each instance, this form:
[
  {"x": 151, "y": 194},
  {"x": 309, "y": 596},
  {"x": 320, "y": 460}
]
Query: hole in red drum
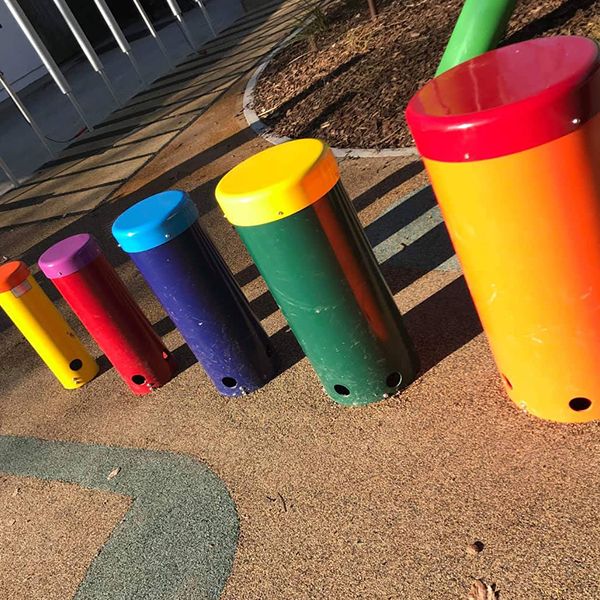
[
  {"x": 75, "y": 365},
  {"x": 507, "y": 382},
  {"x": 342, "y": 390},
  {"x": 138, "y": 379},
  {"x": 579, "y": 404},
  {"x": 229, "y": 382},
  {"x": 393, "y": 380}
]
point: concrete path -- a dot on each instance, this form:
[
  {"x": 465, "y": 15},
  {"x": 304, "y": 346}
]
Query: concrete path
[
  {"x": 93, "y": 168},
  {"x": 56, "y": 116}
]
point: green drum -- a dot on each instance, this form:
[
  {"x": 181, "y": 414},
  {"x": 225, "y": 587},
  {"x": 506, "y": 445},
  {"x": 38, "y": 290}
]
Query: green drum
[{"x": 289, "y": 207}]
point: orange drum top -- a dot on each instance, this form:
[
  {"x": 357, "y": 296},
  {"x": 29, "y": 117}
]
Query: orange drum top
[
  {"x": 12, "y": 274},
  {"x": 507, "y": 100}
]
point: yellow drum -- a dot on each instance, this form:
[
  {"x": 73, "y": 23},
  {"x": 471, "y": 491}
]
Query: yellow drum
[{"x": 43, "y": 326}]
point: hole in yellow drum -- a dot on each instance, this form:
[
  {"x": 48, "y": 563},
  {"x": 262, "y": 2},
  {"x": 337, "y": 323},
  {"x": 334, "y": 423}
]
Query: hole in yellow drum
[{"x": 75, "y": 364}]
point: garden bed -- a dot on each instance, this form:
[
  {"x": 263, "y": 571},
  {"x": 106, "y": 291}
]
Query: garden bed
[{"x": 347, "y": 80}]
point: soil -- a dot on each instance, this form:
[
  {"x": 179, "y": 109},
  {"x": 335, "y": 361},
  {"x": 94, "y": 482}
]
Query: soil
[{"x": 347, "y": 80}]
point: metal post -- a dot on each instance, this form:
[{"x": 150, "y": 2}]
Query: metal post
[
  {"x": 26, "y": 114},
  {"x": 85, "y": 45},
  {"x": 152, "y": 31},
  {"x": 176, "y": 10},
  {"x": 110, "y": 88},
  {"x": 78, "y": 108},
  {"x": 120, "y": 38},
  {"x": 41, "y": 50},
  {"x": 207, "y": 17},
  {"x": 8, "y": 172}
]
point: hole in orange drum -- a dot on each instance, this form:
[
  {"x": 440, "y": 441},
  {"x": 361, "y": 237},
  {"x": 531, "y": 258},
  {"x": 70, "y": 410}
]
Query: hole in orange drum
[
  {"x": 579, "y": 404},
  {"x": 507, "y": 382}
]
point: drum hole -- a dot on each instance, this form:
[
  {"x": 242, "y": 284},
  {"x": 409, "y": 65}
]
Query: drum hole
[
  {"x": 76, "y": 364},
  {"x": 342, "y": 390},
  {"x": 393, "y": 379},
  {"x": 229, "y": 382},
  {"x": 579, "y": 404},
  {"x": 507, "y": 382},
  {"x": 138, "y": 379}
]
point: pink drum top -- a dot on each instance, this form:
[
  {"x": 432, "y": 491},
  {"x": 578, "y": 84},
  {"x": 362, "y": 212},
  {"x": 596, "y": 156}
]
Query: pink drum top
[
  {"x": 69, "y": 256},
  {"x": 507, "y": 100}
]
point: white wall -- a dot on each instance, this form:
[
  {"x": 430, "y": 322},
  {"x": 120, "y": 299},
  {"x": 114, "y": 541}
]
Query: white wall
[{"x": 18, "y": 60}]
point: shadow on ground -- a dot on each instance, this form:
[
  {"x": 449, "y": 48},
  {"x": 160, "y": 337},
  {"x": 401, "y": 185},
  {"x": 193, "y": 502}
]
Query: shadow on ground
[{"x": 438, "y": 332}]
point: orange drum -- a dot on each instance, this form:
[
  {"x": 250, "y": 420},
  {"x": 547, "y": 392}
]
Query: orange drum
[{"x": 511, "y": 142}]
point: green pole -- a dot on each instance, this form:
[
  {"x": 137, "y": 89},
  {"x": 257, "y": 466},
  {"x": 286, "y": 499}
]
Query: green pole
[{"x": 479, "y": 28}]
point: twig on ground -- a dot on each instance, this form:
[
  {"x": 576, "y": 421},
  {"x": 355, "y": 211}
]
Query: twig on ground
[{"x": 282, "y": 502}]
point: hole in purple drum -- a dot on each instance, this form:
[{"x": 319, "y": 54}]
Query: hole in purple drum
[{"x": 229, "y": 382}]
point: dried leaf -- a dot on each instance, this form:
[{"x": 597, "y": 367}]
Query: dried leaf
[
  {"x": 16, "y": 492},
  {"x": 480, "y": 590},
  {"x": 113, "y": 473},
  {"x": 475, "y": 548}
]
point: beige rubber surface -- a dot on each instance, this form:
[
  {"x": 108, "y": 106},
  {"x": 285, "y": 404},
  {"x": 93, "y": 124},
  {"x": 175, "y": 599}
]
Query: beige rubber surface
[
  {"x": 373, "y": 503},
  {"x": 49, "y": 534}
]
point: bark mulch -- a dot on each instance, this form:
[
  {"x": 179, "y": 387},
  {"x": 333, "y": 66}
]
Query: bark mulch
[{"x": 347, "y": 80}]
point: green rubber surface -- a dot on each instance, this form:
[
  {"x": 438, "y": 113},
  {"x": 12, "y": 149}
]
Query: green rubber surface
[{"x": 177, "y": 540}]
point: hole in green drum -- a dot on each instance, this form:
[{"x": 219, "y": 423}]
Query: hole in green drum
[
  {"x": 579, "y": 404},
  {"x": 138, "y": 379},
  {"x": 75, "y": 364},
  {"x": 342, "y": 390},
  {"x": 393, "y": 380},
  {"x": 229, "y": 382}
]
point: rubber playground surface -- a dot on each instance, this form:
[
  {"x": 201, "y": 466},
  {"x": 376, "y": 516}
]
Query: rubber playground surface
[{"x": 280, "y": 494}]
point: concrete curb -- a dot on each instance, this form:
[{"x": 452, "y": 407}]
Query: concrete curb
[{"x": 263, "y": 130}]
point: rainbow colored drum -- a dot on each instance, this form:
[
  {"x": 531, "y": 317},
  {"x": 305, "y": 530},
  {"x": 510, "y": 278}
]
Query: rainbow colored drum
[
  {"x": 43, "y": 326},
  {"x": 511, "y": 142},
  {"x": 87, "y": 281},
  {"x": 292, "y": 212}
]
